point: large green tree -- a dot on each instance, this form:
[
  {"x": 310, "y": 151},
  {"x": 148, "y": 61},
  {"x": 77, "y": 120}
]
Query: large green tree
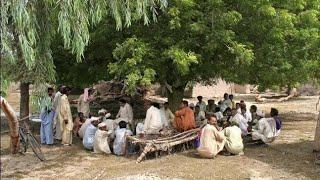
[
  {"x": 29, "y": 27},
  {"x": 260, "y": 42}
]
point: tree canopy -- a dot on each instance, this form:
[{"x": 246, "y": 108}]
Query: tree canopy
[{"x": 29, "y": 27}]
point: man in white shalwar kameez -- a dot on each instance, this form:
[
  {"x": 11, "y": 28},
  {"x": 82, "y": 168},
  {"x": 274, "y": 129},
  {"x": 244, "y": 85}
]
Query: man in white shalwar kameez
[
  {"x": 125, "y": 112},
  {"x": 109, "y": 122},
  {"x": 55, "y": 107},
  {"x": 89, "y": 135},
  {"x": 266, "y": 131},
  {"x": 120, "y": 140},
  {"x": 234, "y": 141},
  {"x": 65, "y": 118},
  {"x": 101, "y": 139},
  {"x": 153, "y": 123},
  {"x": 212, "y": 140},
  {"x": 85, "y": 125},
  {"x": 241, "y": 121}
]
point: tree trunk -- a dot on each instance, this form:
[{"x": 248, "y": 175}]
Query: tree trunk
[
  {"x": 175, "y": 98},
  {"x": 24, "y": 100},
  {"x": 13, "y": 125}
]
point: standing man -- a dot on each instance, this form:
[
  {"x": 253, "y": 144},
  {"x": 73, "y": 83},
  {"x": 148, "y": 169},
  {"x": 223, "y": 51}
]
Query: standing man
[
  {"x": 184, "y": 119},
  {"x": 316, "y": 147},
  {"x": 125, "y": 112},
  {"x": 201, "y": 104},
  {"x": 65, "y": 118},
  {"x": 55, "y": 108},
  {"x": 84, "y": 102},
  {"x": 46, "y": 116}
]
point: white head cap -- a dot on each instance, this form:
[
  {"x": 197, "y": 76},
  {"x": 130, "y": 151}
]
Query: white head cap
[{"x": 102, "y": 111}]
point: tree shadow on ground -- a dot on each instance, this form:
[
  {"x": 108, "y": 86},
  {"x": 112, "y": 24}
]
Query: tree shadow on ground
[{"x": 296, "y": 158}]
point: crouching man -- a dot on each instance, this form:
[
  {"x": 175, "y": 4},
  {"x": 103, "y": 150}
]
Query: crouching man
[
  {"x": 234, "y": 142},
  {"x": 89, "y": 135},
  {"x": 101, "y": 139}
]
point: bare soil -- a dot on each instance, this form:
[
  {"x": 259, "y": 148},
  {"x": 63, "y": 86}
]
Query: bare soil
[{"x": 289, "y": 157}]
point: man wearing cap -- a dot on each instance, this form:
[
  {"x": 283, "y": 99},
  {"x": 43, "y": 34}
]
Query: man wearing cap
[
  {"x": 101, "y": 139},
  {"x": 266, "y": 130},
  {"x": 109, "y": 122}
]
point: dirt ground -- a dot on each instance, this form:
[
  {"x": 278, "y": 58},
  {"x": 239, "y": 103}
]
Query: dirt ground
[{"x": 289, "y": 157}]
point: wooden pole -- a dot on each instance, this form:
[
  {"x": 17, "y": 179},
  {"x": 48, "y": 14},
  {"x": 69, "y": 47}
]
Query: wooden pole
[{"x": 13, "y": 125}]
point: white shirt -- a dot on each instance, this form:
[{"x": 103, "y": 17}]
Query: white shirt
[
  {"x": 234, "y": 143},
  {"x": 120, "y": 140},
  {"x": 266, "y": 130},
  {"x": 125, "y": 113},
  {"x": 89, "y": 135},
  {"x": 243, "y": 123},
  {"x": 153, "y": 122},
  {"x": 219, "y": 115},
  {"x": 202, "y": 105},
  {"x": 248, "y": 116},
  {"x": 164, "y": 118}
]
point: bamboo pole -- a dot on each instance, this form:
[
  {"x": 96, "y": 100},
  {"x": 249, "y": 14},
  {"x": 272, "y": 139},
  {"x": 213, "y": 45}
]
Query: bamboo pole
[
  {"x": 150, "y": 147},
  {"x": 13, "y": 125}
]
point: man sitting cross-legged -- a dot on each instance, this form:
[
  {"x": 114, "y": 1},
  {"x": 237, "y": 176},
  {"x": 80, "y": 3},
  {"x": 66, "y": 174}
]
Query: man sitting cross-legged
[
  {"x": 267, "y": 128},
  {"x": 184, "y": 118},
  {"x": 212, "y": 139}
]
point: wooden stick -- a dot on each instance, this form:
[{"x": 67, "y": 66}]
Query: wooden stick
[
  {"x": 13, "y": 125},
  {"x": 152, "y": 147}
]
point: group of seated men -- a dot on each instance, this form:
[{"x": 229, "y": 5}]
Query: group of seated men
[{"x": 224, "y": 126}]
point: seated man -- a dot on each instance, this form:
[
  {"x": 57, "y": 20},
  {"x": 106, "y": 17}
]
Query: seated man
[
  {"x": 85, "y": 125},
  {"x": 198, "y": 114},
  {"x": 202, "y": 105},
  {"x": 184, "y": 118},
  {"x": 140, "y": 130},
  {"x": 166, "y": 115},
  {"x": 234, "y": 142},
  {"x": 239, "y": 119},
  {"x": 104, "y": 114},
  {"x": 218, "y": 114},
  {"x": 89, "y": 135},
  {"x": 120, "y": 140},
  {"x": 101, "y": 139},
  {"x": 211, "y": 140},
  {"x": 110, "y": 124},
  {"x": 211, "y": 106},
  {"x": 266, "y": 128},
  {"x": 246, "y": 114},
  {"x": 153, "y": 123},
  {"x": 78, "y": 122}
]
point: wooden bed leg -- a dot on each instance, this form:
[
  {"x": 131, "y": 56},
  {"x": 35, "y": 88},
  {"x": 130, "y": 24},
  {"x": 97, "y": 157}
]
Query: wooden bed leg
[{"x": 144, "y": 153}]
